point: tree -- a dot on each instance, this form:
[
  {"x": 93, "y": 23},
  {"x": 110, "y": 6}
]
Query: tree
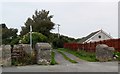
[
  {"x": 40, "y": 21},
  {"x": 59, "y": 42},
  {"x": 8, "y": 34}
]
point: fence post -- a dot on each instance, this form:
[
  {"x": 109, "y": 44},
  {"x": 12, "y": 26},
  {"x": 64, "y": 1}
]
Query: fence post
[{"x": 119, "y": 44}]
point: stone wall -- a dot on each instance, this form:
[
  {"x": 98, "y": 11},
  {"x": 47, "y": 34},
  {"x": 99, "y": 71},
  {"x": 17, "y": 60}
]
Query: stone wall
[
  {"x": 22, "y": 52},
  {"x": 26, "y": 48},
  {"x": 17, "y": 51}
]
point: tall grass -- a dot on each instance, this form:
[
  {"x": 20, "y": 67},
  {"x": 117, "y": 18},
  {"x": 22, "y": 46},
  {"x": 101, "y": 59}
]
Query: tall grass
[{"x": 53, "y": 62}]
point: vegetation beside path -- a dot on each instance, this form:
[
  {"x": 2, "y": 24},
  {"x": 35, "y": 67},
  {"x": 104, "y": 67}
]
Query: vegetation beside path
[
  {"x": 67, "y": 58},
  {"x": 88, "y": 56},
  {"x": 53, "y": 61}
]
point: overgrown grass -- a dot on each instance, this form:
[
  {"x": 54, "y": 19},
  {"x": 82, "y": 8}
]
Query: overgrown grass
[
  {"x": 118, "y": 54},
  {"x": 67, "y": 58},
  {"x": 53, "y": 62},
  {"x": 88, "y": 56}
]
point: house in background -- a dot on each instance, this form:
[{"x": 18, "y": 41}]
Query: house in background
[{"x": 95, "y": 36}]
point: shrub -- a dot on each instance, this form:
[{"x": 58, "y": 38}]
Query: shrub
[
  {"x": 36, "y": 37},
  {"x": 15, "y": 41}
]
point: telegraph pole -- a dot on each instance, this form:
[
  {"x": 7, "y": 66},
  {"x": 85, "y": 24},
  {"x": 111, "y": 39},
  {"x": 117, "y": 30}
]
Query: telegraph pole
[
  {"x": 31, "y": 37},
  {"x": 58, "y": 30}
]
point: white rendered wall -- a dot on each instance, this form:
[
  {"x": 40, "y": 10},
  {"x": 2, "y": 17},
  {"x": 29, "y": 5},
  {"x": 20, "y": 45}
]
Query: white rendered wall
[{"x": 96, "y": 37}]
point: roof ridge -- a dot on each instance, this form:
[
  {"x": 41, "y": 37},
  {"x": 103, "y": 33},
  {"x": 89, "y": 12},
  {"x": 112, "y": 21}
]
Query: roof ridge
[{"x": 89, "y": 36}]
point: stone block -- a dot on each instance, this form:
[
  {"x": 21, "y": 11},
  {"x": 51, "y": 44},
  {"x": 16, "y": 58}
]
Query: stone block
[
  {"x": 6, "y": 55},
  {"x": 104, "y": 53},
  {"x": 43, "y": 53}
]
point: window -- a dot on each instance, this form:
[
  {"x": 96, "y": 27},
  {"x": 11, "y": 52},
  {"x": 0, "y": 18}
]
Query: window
[{"x": 99, "y": 36}]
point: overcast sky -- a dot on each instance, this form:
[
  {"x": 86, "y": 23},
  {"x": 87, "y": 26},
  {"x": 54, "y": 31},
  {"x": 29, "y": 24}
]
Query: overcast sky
[{"x": 77, "y": 19}]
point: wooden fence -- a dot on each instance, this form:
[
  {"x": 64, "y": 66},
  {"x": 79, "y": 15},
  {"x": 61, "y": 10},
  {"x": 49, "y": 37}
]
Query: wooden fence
[{"x": 90, "y": 47}]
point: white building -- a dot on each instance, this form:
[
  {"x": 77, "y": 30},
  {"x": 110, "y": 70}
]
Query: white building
[{"x": 95, "y": 36}]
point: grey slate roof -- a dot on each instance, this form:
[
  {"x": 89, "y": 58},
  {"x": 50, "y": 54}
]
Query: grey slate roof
[{"x": 87, "y": 37}]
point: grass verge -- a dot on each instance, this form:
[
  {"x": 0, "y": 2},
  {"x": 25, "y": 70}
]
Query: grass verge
[
  {"x": 88, "y": 56},
  {"x": 67, "y": 58},
  {"x": 53, "y": 62},
  {"x": 118, "y": 54}
]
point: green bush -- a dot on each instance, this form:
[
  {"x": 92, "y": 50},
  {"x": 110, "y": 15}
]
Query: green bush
[
  {"x": 36, "y": 37},
  {"x": 15, "y": 41},
  {"x": 6, "y": 41}
]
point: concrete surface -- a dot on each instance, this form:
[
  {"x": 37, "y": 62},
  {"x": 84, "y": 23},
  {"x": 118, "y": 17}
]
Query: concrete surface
[
  {"x": 66, "y": 66},
  {"x": 80, "y": 67}
]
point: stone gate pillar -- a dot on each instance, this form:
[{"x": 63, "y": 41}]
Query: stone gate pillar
[
  {"x": 6, "y": 55},
  {"x": 43, "y": 53}
]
